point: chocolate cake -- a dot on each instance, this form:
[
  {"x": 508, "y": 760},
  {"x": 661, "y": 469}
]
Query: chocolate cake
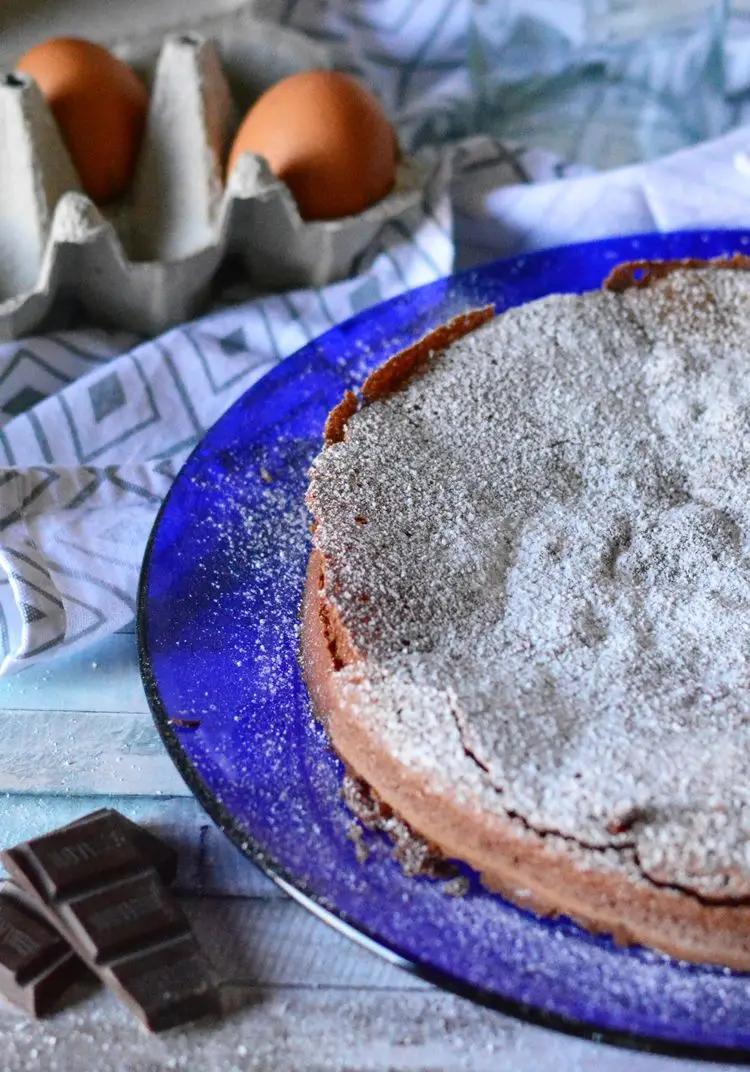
[{"x": 527, "y": 617}]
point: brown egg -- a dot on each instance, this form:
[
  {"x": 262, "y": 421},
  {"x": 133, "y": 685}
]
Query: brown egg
[
  {"x": 100, "y": 106},
  {"x": 327, "y": 137}
]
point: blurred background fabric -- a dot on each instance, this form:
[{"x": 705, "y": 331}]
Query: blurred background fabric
[{"x": 540, "y": 123}]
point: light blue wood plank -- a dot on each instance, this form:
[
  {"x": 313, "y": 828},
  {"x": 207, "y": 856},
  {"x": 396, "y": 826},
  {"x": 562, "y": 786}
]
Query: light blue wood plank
[
  {"x": 85, "y": 753},
  {"x": 276, "y": 943},
  {"x": 104, "y": 678},
  {"x": 82, "y": 725},
  {"x": 310, "y": 1029}
]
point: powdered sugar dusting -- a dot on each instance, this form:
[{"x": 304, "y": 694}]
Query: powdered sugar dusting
[{"x": 541, "y": 546}]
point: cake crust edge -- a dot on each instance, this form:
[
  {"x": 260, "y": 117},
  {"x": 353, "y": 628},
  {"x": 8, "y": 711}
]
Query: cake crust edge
[{"x": 530, "y": 869}]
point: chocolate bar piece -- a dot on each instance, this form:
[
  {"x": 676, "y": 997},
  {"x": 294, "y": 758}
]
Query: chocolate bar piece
[
  {"x": 36, "y": 964},
  {"x": 167, "y": 985},
  {"x": 160, "y": 855},
  {"x": 103, "y": 894},
  {"x": 71, "y": 860}
]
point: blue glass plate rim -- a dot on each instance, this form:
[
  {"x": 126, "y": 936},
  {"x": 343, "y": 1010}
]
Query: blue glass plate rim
[{"x": 719, "y": 241}]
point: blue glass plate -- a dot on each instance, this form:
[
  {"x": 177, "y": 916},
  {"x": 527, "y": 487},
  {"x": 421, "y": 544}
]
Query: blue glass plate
[{"x": 218, "y": 617}]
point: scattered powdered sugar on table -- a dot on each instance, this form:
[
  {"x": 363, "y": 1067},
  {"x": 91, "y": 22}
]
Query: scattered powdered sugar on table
[{"x": 541, "y": 546}]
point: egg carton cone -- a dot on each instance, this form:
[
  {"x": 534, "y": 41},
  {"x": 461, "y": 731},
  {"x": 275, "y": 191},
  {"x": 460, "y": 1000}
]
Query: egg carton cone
[{"x": 148, "y": 262}]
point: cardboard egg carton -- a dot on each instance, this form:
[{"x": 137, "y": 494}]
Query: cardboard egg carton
[{"x": 148, "y": 261}]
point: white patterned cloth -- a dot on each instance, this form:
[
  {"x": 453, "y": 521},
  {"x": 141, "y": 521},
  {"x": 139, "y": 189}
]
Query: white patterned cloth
[{"x": 94, "y": 424}]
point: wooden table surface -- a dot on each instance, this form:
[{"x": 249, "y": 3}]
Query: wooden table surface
[{"x": 297, "y": 994}]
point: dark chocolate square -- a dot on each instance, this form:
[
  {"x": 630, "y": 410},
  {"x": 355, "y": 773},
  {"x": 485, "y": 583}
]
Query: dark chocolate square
[
  {"x": 157, "y": 852},
  {"x": 27, "y": 943},
  {"x": 75, "y": 858},
  {"x": 166, "y": 986},
  {"x": 125, "y": 917}
]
